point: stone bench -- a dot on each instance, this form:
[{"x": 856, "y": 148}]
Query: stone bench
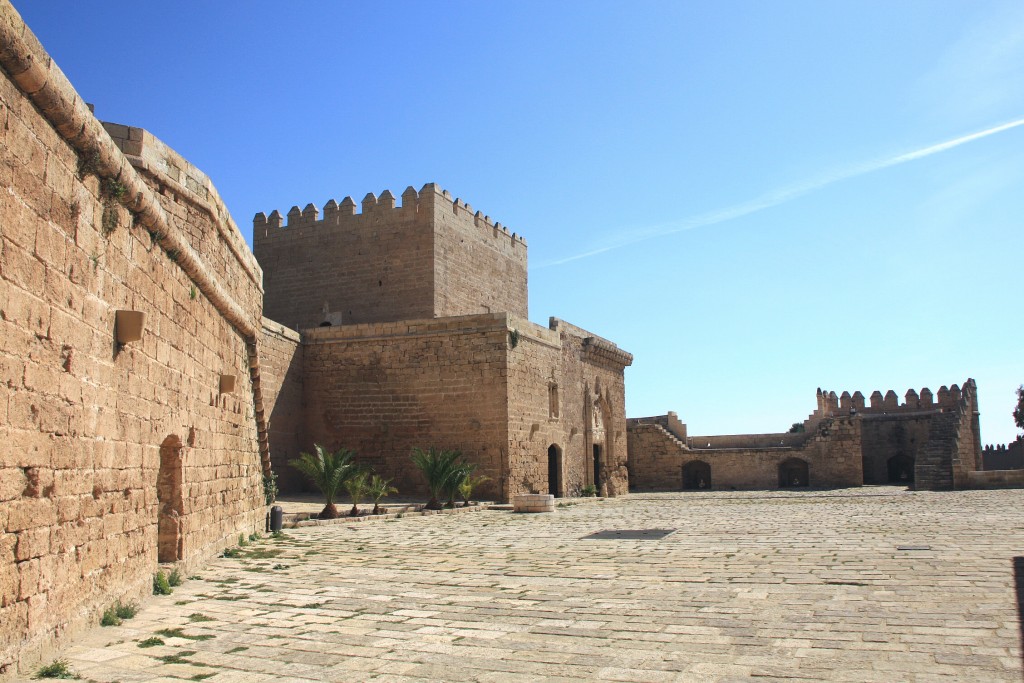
[{"x": 533, "y": 502}]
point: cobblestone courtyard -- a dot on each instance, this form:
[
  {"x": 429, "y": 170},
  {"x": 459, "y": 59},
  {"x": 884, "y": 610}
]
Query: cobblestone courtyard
[{"x": 764, "y": 585}]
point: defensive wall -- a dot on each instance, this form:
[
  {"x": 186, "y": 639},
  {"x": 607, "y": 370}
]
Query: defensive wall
[
  {"x": 1004, "y": 456},
  {"x": 430, "y": 257},
  {"x": 113, "y": 457},
  {"x": 928, "y": 443},
  {"x": 527, "y": 404}
]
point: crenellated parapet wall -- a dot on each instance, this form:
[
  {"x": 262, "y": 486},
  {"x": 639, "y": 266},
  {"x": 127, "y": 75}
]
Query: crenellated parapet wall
[
  {"x": 426, "y": 257},
  {"x": 831, "y": 404},
  {"x": 1004, "y": 456},
  {"x": 376, "y": 209}
]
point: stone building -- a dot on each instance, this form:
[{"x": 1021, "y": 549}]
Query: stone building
[
  {"x": 928, "y": 442},
  {"x": 414, "y": 334}
]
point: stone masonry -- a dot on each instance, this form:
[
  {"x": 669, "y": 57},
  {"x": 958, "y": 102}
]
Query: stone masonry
[
  {"x": 845, "y": 442},
  {"x": 112, "y": 457}
]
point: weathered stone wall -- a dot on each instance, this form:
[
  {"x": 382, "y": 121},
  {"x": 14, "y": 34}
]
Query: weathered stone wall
[
  {"x": 1004, "y": 457},
  {"x": 479, "y": 267},
  {"x": 554, "y": 386},
  {"x": 373, "y": 266},
  {"x": 85, "y": 426},
  {"x": 832, "y": 453},
  {"x": 888, "y": 436},
  {"x": 430, "y": 257},
  {"x": 384, "y": 388},
  {"x": 282, "y": 378}
]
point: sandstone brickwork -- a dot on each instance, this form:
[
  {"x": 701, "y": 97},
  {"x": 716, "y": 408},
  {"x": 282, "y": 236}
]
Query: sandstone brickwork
[
  {"x": 930, "y": 444},
  {"x": 1004, "y": 456},
  {"x": 281, "y": 357},
  {"x": 506, "y": 392},
  {"x": 429, "y": 257},
  {"x": 112, "y": 457}
]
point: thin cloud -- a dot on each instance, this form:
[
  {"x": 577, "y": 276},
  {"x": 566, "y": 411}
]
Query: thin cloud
[{"x": 777, "y": 197}]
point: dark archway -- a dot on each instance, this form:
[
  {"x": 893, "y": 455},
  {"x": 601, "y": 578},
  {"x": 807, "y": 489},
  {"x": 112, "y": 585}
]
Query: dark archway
[
  {"x": 171, "y": 504},
  {"x": 696, "y": 476},
  {"x": 597, "y": 468},
  {"x": 794, "y": 472},
  {"x": 555, "y": 471},
  {"x": 901, "y": 469}
]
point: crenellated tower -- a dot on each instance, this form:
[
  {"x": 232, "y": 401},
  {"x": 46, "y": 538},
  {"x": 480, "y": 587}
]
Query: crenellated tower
[{"x": 429, "y": 257}]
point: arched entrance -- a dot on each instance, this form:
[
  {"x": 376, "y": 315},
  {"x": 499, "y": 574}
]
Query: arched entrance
[
  {"x": 555, "y": 471},
  {"x": 696, "y": 476},
  {"x": 170, "y": 501},
  {"x": 901, "y": 469},
  {"x": 597, "y": 468},
  {"x": 794, "y": 472}
]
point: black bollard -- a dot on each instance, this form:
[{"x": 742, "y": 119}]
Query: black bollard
[{"x": 276, "y": 518}]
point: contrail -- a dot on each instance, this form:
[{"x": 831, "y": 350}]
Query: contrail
[{"x": 776, "y": 197}]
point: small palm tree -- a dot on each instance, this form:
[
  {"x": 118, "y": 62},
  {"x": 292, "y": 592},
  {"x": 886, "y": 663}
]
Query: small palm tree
[
  {"x": 468, "y": 484},
  {"x": 461, "y": 470},
  {"x": 438, "y": 466},
  {"x": 328, "y": 472},
  {"x": 379, "y": 487},
  {"x": 357, "y": 486}
]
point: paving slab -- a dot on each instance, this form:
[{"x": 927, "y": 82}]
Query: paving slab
[{"x": 750, "y": 586}]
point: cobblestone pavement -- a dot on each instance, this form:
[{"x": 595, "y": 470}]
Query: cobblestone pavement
[{"x": 764, "y": 586}]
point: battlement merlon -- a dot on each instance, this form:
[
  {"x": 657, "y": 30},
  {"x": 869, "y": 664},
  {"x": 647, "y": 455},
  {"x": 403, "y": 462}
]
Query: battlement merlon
[
  {"x": 267, "y": 228},
  {"x": 946, "y": 399}
]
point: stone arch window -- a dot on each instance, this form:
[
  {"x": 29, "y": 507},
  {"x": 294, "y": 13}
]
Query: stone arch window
[
  {"x": 794, "y": 472},
  {"x": 696, "y": 476},
  {"x": 553, "y": 403},
  {"x": 170, "y": 542}
]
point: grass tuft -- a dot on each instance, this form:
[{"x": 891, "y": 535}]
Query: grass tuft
[{"x": 56, "y": 669}]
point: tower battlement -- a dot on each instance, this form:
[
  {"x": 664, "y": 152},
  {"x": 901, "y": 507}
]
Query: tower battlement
[
  {"x": 268, "y": 228},
  {"x": 381, "y": 260},
  {"x": 947, "y": 399}
]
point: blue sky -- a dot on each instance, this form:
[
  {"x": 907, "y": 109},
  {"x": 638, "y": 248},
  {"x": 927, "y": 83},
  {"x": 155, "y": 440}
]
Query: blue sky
[{"x": 753, "y": 198}]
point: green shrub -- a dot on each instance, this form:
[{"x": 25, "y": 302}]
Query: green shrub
[
  {"x": 151, "y": 642},
  {"x": 57, "y": 669},
  {"x": 174, "y": 578},
  {"x": 589, "y": 490},
  {"x": 161, "y": 584}
]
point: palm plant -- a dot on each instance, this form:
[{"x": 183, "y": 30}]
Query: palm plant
[
  {"x": 467, "y": 485},
  {"x": 328, "y": 472},
  {"x": 461, "y": 470},
  {"x": 438, "y": 466},
  {"x": 378, "y": 488},
  {"x": 357, "y": 486}
]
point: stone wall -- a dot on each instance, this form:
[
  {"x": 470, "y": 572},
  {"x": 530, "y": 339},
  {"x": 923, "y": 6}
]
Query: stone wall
[
  {"x": 1004, "y": 457},
  {"x": 282, "y": 378},
  {"x": 556, "y": 386},
  {"x": 383, "y": 388},
  {"x": 657, "y": 459},
  {"x": 497, "y": 387},
  {"x": 110, "y": 456},
  {"x": 479, "y": 267},
  {"x": 429, "y": 257}
]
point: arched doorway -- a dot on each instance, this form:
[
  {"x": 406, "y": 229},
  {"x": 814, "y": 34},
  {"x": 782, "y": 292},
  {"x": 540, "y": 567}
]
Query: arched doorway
[
  {"x": 555, "y": 471},
  {"x": 794, "y": 472},
  {"x": 696, "y": 476},
  {"x": 171, "y": 504},
  {"x": 901, "y": 469},
  {"x": 597, "y": 468}
]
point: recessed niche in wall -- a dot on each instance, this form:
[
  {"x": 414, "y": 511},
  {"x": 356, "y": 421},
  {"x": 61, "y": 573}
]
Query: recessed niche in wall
[
  {"x": 128, "y": 326},
  {"x": 227, "y": 384}
]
